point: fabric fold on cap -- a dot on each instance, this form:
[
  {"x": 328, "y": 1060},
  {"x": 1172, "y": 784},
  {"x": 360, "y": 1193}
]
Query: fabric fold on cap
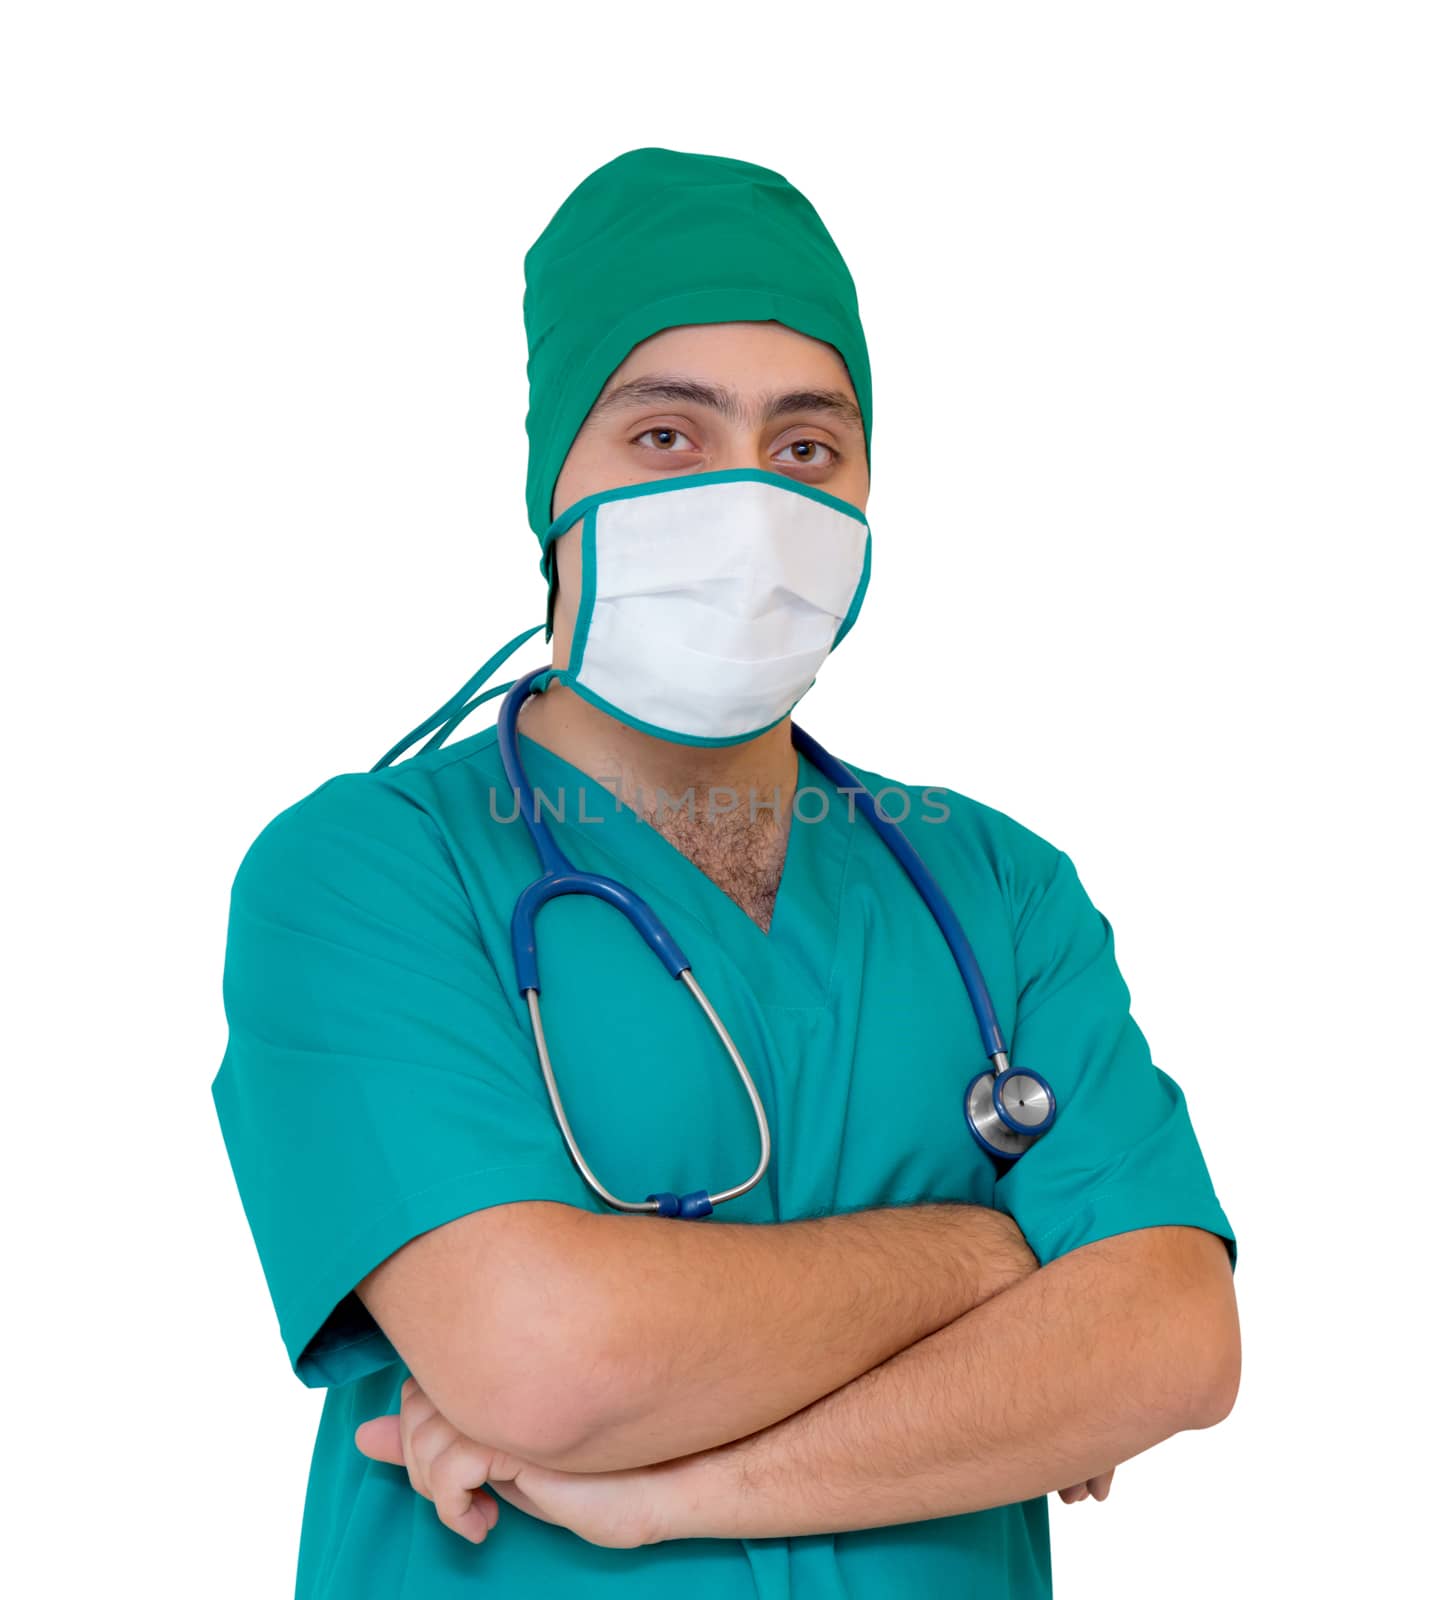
[{"x": 658, "y": 239}]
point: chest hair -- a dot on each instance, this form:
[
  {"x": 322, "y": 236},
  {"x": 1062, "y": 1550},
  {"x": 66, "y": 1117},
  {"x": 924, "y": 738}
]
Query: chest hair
[{"x": 741, "y": 854}]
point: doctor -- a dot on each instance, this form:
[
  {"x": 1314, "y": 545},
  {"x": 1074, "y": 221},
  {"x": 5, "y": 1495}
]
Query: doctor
[{"x": 864, "y": 1373}]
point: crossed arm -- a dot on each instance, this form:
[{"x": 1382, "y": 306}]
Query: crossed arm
[
  {"x": 1086, "y": 1362},
  {"x": 1034, "y": 1379},
  {"x": 594, "y": 1342}
]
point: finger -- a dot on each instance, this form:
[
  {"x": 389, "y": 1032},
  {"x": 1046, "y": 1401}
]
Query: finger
[
  {"x": 417, "y": 1412},
  {"x": 506, "y": 1489},
  {"x": 381, "y": 1438},
  {"x": 456, "y": 1475},
  {"x": 1074, "y": 1493},
  {"x": 426, "y": 1444},
  {"x": 1099, "y": 1487}
]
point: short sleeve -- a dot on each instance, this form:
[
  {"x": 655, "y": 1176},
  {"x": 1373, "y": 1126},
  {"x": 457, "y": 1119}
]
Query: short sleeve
[
  {"x": 378, "y": 1080},
  {"x": 1122, "y": 1153}
]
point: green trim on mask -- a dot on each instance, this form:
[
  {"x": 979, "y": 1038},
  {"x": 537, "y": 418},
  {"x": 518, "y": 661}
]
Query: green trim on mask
[
  {"x": 559, "y": 675},
  {"x": 857, "y": 599},
  {"x": 589, "y": 510},
  {"x": 582, "y": 625},
  {"x": 694, "y": 480}
]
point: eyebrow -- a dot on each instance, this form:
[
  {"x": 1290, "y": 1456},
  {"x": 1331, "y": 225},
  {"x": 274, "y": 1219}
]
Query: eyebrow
[{"x": 673, "y": 388}]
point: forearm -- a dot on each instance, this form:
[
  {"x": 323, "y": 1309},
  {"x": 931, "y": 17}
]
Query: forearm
[
  {"x": 710, "y": 1331},
  {"x": 1085, "y": 1363}
]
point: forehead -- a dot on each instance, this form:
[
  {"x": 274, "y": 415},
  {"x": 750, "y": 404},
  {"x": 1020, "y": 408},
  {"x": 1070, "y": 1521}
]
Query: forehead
[
  {"x": 746, "y": 356},
  {"x": 750, "y": 373}
]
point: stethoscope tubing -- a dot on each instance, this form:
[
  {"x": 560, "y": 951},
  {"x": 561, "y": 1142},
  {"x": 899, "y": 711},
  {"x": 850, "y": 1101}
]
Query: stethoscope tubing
[
  {"x": 559, "y": 877},
  {"x": 919, "y": 874},
  {"x": 1003, "y": 1133}
]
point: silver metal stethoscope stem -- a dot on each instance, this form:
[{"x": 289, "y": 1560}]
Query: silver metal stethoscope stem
[
  {"x": 549, "y": 1077},
  {"x": 751, "y": 1091}
]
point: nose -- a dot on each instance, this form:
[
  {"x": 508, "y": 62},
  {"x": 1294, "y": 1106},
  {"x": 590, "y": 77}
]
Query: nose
[{"x": 745, "y": 452}]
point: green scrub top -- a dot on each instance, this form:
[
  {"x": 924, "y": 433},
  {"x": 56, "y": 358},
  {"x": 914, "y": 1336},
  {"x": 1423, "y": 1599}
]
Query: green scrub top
[{"x": 380, "y": 1080}]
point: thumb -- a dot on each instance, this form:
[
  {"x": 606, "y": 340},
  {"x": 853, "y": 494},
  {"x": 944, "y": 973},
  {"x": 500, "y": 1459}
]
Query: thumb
[{"x": 381, "y": 1438}]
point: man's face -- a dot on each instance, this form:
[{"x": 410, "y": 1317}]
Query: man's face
[{"x": 703, "y": 398}]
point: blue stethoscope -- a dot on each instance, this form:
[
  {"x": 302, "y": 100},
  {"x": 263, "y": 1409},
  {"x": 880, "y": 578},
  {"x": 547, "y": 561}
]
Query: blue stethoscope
[{"x": 1007, "y": 1108}]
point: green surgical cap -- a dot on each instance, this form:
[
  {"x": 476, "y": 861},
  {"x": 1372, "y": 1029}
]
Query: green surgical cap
[{"x": 657, "y": 239}]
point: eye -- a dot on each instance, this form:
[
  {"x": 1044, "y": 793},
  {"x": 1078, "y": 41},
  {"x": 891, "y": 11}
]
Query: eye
[
  {"x": 665, "y": 435},
  {"x": 832, "y": 454}
]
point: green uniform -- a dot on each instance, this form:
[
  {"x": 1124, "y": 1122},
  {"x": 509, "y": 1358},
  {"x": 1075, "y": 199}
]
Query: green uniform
[{"x": 380, "y": 1080}]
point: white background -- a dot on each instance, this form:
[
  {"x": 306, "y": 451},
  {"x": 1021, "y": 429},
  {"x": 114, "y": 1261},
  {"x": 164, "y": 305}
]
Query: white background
[{"x": 1146, "y": 294}]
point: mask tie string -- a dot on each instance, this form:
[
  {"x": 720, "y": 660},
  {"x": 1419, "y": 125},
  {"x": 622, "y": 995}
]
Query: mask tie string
[{"x": 457, "y": 706}]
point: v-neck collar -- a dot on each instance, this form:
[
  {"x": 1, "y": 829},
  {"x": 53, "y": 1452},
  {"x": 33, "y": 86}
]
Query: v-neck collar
[{"x": 789, "y": 966}]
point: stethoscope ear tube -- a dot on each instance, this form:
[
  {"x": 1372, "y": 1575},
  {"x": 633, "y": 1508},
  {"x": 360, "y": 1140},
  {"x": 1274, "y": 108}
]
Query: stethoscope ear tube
[{"x": 627, "y": 901}]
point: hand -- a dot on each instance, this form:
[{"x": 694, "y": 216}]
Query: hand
[
  {"x": 1098, "y": 1487},
  {"x": 614, "y": 1509}
]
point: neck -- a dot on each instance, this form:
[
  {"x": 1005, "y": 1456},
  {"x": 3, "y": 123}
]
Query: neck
[
  {"x": 726, "y": 808},
  {"x": 718, "y": 785}
]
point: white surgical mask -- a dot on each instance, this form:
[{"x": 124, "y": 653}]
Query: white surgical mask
[{"x": 710, "y": 601}]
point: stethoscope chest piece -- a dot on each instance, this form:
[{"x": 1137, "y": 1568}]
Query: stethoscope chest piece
[{"x": 1008, "y": 1110}]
